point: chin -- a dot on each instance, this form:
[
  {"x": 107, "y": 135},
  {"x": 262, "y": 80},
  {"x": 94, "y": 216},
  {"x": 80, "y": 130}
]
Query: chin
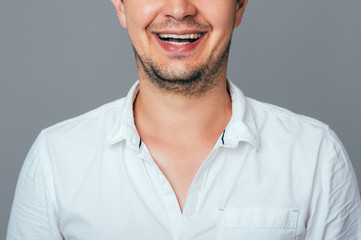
[{"x": 178, "y": 74}]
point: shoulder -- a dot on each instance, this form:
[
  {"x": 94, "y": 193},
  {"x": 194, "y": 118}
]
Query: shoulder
[
  {"x": 283, "y": 129},
  {"x": 283, "y": 115},
  {"x": 283, "y": 121},
  {"x": 91, "y": 125}
]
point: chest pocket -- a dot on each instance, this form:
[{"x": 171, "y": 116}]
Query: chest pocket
[{"x": 257, "y": 223}]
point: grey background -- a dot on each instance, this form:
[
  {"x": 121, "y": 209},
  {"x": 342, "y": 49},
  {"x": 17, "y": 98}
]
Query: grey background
[{"x": 59, "y": 59}]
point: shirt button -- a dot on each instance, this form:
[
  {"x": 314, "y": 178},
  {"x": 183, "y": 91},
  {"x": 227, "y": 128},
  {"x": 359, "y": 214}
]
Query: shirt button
[{"x": 161, "y": 179}]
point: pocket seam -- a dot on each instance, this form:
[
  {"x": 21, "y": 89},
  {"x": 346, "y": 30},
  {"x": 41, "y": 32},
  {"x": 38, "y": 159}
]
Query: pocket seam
[{"x": 239, "y": 217}]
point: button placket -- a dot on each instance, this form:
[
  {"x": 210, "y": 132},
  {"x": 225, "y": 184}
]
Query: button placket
[
  {"x": 166, "y": 193},
  {"x": 163, "y": 188},
  {"x": 190, "y": 209}
]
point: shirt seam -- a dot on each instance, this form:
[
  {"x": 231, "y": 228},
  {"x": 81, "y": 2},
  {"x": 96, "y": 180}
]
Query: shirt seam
[
  {"x": 282, "y": 112},
  {"x": 90, "y": 114},
  {"x": 45, "y": 169},
  {"x": 331, "y": 145},
  {"x": 342, "y": 157}
]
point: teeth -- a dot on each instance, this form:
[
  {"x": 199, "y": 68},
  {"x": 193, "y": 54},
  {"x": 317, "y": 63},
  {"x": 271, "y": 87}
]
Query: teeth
[
  {"x": 177, "y": 43},
  {"x": 186, "y": 36}
]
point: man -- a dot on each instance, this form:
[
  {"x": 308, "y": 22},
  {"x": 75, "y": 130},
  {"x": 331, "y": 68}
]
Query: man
[{"x": 185, "y": 155}]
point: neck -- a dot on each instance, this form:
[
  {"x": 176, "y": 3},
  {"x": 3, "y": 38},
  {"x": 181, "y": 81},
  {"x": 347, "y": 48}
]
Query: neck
[{"x": 182, "y": 117}]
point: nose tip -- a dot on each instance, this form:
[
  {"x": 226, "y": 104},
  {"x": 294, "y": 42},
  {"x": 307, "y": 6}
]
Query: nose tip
[{"x": 179, "y": 9}]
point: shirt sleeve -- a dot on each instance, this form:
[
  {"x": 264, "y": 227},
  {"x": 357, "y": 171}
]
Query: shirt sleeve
[
  {"x": 335, "y": 210},
  {"x": 34, "y": 214}
]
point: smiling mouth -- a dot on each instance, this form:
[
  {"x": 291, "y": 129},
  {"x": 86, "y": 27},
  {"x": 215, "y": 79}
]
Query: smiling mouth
[{"x": 179, "y": 40}]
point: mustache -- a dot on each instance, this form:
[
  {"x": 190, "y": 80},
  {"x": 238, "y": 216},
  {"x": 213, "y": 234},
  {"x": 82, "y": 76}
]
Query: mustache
[{"x": 174, "y": 24}]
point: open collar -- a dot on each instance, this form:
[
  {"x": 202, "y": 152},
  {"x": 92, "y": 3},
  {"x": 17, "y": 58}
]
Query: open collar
[{"x": 241, "y": 127}]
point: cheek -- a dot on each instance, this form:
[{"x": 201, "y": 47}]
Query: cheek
[
  {"x": 220, "y": 14},
  {"x": 140, "y": 13},
  {"x": 138, "y": 17}
]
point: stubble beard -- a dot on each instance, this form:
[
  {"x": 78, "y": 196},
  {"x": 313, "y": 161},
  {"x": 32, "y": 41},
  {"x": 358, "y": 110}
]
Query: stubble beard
[{"x": 191, "y": 81}]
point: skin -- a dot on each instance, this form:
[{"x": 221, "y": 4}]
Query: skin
[{"x": 183, "y": 105}]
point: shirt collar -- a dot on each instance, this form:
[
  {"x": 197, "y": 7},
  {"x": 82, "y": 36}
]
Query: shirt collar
[
  {"x": 241, "y": 127},
  {"x": 124, "y": 127}
]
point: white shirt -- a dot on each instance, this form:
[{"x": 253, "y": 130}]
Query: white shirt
[{"x": 272, "y": 175}]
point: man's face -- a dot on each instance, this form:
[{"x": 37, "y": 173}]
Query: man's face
[{"x": 181, "y": 45}]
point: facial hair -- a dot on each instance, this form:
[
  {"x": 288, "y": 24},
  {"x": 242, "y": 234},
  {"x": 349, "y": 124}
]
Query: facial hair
[{"x": 193, "y": 80}]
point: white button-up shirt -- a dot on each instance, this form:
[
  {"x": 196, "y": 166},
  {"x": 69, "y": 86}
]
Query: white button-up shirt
[{"x": 272, "y": 175}]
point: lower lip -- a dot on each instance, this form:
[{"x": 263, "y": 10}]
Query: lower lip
[{"x": 180, "y": 49}]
